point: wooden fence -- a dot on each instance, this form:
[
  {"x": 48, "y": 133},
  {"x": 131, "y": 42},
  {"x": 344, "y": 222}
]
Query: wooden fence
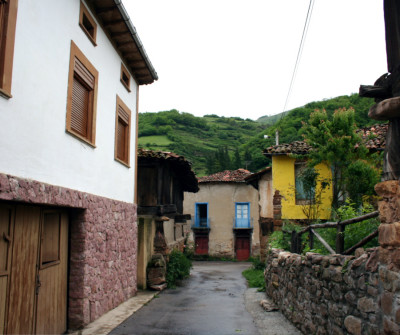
[{"x": 296, "y": 245}]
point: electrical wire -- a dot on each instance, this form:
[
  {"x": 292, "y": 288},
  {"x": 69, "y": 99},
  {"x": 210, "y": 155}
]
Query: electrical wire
[{"x": 300, "y": 51}]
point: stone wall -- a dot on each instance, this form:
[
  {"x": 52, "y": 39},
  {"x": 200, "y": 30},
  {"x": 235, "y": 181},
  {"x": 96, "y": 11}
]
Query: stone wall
[
  {"x": 103, "y": 243},
  {"x": 335, "y": 294}
]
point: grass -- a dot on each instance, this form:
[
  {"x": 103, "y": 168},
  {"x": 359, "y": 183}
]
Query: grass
[
  {"x": 255, "y": 278},
  {"x": 255, "y": 275},
  {"x": 156, "y": 140}
]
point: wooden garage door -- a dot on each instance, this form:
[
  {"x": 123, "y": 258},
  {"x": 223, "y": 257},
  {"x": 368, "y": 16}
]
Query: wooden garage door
[{"x": 36, "y": 274}]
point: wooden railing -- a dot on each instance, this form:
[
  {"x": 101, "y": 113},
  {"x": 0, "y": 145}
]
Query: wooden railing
[{"x": 296, "y": 238}]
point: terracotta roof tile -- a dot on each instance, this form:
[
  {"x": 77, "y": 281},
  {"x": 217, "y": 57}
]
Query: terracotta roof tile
[
  {"x": 227, "y": 176},
  {"x": 297, "y": 147},
  {"x": 374, "y": 138}
]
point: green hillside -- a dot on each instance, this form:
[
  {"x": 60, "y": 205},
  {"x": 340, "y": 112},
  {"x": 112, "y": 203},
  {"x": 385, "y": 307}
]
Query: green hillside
[{"x": 214, "y": 143}]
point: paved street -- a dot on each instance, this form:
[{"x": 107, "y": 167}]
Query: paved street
[{"x": 215, "y": 300}]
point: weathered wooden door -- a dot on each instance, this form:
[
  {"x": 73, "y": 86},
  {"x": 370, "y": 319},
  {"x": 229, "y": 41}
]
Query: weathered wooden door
[
  {"x": 201, "y": 245},
  {"x": 34, "y": 278},
  {"x": 242, "y": 247}
]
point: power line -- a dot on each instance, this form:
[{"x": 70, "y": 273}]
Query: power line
[{"x": 303, "y": 38}]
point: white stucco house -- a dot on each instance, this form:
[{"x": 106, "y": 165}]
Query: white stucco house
[{"x": 70, "y": 73}]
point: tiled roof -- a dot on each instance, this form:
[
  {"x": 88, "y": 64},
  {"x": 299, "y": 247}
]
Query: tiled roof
[
  {"x": 297, "y": 147},
  {"x": 374, "y": 138},
  {"x": 179, "y": 164},
  {"x": 227, "y": 176},
  {"x": 257, "y": 174}
]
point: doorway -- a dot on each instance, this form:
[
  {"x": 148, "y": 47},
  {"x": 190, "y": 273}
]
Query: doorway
[{"x": 33, "y": 270}]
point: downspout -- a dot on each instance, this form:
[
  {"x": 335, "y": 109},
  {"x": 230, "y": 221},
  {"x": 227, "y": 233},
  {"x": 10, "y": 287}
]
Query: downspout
[{"x": 136, "y": 38}]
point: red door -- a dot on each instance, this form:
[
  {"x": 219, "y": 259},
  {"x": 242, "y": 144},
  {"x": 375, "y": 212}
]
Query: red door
[
  {"x": 201, "y": 245},
  {"x": 242, "y": 247}
]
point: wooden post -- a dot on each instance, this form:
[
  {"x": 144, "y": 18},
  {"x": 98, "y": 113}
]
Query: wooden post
[
  {"x": 293, "y": 242},
  {"x": 311, "y": 240},
  {"x": 340, "y": 238}
]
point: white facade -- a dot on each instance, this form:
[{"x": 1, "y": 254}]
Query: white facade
[{"x": 34, "y": 143}]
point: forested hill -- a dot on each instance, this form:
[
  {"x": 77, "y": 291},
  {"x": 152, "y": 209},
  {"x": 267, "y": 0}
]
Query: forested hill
[{"x": 214, "y": 143}]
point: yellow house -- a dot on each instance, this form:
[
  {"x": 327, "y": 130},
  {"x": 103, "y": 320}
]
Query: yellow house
[{"x": 286, "y": 171}]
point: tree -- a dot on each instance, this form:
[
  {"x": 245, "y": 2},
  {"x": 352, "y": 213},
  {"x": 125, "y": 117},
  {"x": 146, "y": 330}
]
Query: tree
[
  {"x": 237, "y": 161},
  {"x": 335, "y": 141}
]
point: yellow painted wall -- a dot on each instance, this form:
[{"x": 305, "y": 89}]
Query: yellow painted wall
[{"x": 283, "y": 178}]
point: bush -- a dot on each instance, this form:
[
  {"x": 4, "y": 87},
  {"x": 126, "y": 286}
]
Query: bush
[{"x": 178, "y": 268}]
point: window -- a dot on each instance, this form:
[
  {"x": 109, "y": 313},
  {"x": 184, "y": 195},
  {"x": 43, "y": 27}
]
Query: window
[
  {"x": 8, "y": 20},
  {"x": 125, "y": 78},
  {"x": 87, "y": 23},
  {"x": 50, "y": 246},
  {"x": 122, "y": 132},
  {"x": 82, "y": 96},
  {"x": 305, "y": 180},
  {"x": 201, "y": 215},
  {"x": 242, "y": 218}
]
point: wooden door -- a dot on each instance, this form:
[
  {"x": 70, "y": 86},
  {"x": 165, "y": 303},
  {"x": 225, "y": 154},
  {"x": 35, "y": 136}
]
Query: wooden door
[
  {"x": 21, "y": 306},
  {"x": 6, "y": 235},
  {"x": 201, "y": 245},
  {"x": 51, "y": 311},
  {"x": 36, "y": 278},
  {"x": 242, "y": 247}
]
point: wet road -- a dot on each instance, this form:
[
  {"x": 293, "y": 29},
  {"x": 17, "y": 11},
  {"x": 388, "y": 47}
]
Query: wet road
[{"x": 210, "y": 302}]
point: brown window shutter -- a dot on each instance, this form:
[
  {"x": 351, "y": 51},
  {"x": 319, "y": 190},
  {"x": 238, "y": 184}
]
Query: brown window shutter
[
  {"x": 122, "y": 129},
  {"x": 84, "y": 74},
  {"x": 80, "y": 108}
]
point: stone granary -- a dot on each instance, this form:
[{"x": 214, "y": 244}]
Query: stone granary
[
  {"x": 69, "y": 77},
  {"x": 163, "y": 177},
  {"x": 225, "y": 216}
]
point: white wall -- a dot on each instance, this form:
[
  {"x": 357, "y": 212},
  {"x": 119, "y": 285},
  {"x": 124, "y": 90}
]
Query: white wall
[{"x": 33, "y": 140}]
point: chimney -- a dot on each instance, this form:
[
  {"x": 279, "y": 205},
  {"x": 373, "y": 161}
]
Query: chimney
[{"x": 277, "y": 137}]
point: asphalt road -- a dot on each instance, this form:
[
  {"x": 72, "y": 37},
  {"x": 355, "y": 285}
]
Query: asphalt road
[{"x": 214, "y": 300}]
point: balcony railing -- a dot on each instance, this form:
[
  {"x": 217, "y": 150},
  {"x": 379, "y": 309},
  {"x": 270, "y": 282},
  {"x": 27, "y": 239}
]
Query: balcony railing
[
  {"x": 243, "y": 223},
  {"x": 201, "y": 223}
]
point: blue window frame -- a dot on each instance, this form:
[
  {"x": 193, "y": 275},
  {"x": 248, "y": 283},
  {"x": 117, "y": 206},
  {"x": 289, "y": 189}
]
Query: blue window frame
[
  {"x": 242, "y": 215},
  {"x": 201, "y": 215}
]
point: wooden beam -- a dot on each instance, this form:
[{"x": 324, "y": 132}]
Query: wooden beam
[
  {"x": 112, "y": 23},
  {"x": 365, "y": 240},
  {"x": 324, "y": 243}
]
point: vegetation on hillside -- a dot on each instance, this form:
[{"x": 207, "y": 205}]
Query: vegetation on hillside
[{"x": 214, "y": 143}]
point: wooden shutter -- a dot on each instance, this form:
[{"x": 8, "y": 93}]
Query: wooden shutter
[
  {"x": 122, "y": 132},
  {"x": 83, "y": 85},
  {"x": 3, "y": 31},
  {"x": 122, "y": 136}
]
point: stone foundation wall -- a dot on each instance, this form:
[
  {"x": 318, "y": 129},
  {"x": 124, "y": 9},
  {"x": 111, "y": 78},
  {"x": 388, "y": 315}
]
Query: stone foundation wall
[
  {"x": 335, "y": 294},
  {"x": 103, "y": 244}
]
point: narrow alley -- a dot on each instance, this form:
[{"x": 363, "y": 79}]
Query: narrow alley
[{"x": 214, "y": 300}]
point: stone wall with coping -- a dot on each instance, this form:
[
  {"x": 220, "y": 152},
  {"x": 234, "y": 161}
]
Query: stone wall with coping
[
  {"x": 103, "y": 244},
  {"x": 335, "y": 294},
  {"x": 339, "y": 294}
]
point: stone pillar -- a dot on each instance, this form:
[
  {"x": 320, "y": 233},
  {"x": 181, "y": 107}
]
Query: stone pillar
[
  {"x": 389, "y": 230},
  {"x": 389, "y": 255}
]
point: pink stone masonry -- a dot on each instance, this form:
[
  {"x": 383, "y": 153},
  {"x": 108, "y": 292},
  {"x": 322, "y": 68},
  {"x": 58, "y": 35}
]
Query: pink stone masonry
[{"x": 103, "y": 244}]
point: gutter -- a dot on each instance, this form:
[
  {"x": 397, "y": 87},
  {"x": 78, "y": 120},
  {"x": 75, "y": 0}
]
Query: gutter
[{"x": 136, "y": 38}]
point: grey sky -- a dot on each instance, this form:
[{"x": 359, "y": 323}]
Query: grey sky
[{"x": 236, "y": 58}]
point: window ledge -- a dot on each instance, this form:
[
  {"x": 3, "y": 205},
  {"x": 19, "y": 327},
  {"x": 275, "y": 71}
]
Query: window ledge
[
  {"x": 5, "y": 94},
  {"x": 122, "y": 162},
  {"x": 88, "y": 35},
  {"x": 81, "y": 138},
  {"x": 125, "y": 85}
]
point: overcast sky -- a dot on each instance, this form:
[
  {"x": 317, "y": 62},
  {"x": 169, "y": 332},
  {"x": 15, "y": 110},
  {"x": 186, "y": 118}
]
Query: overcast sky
[{"x": 236, "y": 57}]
